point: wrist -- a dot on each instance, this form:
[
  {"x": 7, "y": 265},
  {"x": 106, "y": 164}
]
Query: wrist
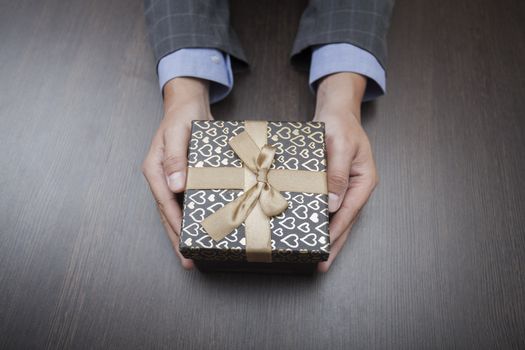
[
  {"x": 340, "y": 93},
  {"x": 181, "y": 91}
]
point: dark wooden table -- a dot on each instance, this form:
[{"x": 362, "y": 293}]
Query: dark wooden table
[{"x": 436, "y": 260}]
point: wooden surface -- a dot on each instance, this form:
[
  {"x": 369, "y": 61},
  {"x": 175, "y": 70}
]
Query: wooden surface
[{"x": 435, "y": 262}]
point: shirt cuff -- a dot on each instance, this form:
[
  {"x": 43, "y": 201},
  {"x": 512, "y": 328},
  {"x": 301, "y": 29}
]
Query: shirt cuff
[
  {"x": 335, "y": 58},
  {"x": 203, "y": 63}
]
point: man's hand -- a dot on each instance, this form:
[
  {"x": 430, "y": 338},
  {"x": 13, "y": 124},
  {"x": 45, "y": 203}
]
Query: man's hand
[
  {"x": 351, "y": 168},
  {"x": 185, "y": 99}
]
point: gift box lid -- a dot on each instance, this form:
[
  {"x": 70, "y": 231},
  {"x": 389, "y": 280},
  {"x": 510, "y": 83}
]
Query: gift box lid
[{"x": 299, "y": 234}]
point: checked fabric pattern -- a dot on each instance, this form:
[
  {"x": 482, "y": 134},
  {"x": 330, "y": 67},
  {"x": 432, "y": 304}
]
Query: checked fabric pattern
[{"x": 176, "y": 24}]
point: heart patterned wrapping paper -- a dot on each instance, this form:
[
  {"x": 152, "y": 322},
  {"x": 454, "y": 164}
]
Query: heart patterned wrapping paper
[{"x": 299, "y": 234}]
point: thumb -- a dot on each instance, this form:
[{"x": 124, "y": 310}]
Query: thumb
[
  {"x": 340, "y": 155},
  {"x": 176, "y": 138}
]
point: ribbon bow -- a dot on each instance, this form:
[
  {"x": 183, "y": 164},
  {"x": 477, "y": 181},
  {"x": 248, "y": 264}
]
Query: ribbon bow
[{"x": 272, "y": 203}]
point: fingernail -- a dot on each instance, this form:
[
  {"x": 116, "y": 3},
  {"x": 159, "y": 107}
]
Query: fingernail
[
  {"x": 176, "y": 181},
  {"x": 333, "y": 202}
]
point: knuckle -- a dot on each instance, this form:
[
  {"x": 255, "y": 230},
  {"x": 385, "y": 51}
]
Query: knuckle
[
  {"x": 163, "y": 219},
  {"x": 376, "y": 181},
  {"x": 144, "y": 168},
  {"x": 174, "y": 162},
  {"x": 338, "y": 180},
  {"x": 160, "y": 205}
]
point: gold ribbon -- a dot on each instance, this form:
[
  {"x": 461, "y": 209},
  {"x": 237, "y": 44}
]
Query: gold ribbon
[{"x": 261, "y": 198}]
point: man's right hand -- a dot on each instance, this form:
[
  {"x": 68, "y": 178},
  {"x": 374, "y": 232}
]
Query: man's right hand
[{"x": 185, "y": 99}]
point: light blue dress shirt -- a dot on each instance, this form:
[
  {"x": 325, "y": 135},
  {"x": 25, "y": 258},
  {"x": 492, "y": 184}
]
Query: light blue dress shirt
[{"x": 215, "y": 66}]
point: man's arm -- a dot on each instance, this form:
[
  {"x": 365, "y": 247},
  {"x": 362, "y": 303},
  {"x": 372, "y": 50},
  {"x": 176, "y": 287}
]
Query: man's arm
[
  {"x": 174, "y": 26},
  {"x": 351, "y": 167},
  {"x": 346, "y": 43},
  {"x": 203, "y": 63},
  {"x": 362, "y": 23},
  {"x": 178, "y": 24},
  {"x": 342, "y": 57}
]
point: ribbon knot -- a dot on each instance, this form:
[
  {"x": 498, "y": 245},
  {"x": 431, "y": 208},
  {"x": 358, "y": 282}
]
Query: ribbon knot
[
  {"x": 264, "y": 162},
  {"x": 262, "y": 175},
  {"x": 272, "y": 203}
]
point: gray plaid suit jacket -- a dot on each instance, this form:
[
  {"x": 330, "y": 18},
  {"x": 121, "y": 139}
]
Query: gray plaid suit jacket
[{"x": 176, "y": 24}]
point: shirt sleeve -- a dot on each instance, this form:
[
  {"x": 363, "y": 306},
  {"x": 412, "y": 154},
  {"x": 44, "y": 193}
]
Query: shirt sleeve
[
  {"x": 203, "y": 63},
  {"x": 342, "y": 57}
]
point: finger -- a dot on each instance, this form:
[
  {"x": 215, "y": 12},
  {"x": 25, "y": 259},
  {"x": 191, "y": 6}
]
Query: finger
[
  {"x": 359, "y": 190},
  {"x": 164, "y": 197},
  {"x": 340, "y": 155},
  {"x": 176, "y": 139},
  {"x": 335, "y": 248},
  {"x": 186, "y": 263}
]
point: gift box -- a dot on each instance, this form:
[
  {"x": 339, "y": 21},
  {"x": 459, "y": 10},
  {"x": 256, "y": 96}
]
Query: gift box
[{"x": 256, "y": 196}]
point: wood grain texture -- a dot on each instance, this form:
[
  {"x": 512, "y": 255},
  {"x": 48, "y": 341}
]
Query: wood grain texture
[{"x": 436, "y": 260}]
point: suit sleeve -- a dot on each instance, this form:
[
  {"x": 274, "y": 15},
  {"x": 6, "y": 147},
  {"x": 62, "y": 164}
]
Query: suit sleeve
[
  {"x": 362, "y": 23},
  {"x": 177, "y": 24}
]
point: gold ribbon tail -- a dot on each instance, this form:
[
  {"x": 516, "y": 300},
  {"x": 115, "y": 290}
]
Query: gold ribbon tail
[
  {"x": 272, "y": 202},
  {"x": 219, "y": 224}
]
